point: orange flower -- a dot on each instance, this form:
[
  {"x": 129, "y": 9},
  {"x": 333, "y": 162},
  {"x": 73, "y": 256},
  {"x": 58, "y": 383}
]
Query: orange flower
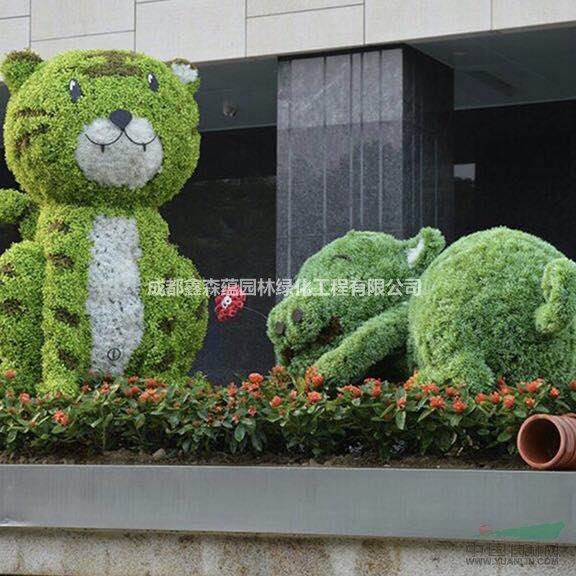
[
  {"x": 105, "y": 388},
  {"x": 554, "y": 392},
  {"x": 256, "y": 378},
  {"x": 502, "y": 386},
  {"x": 401, "y": 403},
  {"x": 452, "y": 392},
  {"x": 573, "y": 385},
  {"x": 278, "y": 370},
  {"x": 236, "y": 418},
  {"x": 10, "y": 374},
  {"x": 276, "y": 401},
  {"x": 410, "y": 382},
  {"x": 133, "y": 379},
  {"x": 377, "y": 390},
  {"x": 61, "y": 418},
  {"x": 480, "y": 397},
  {"x": 151, "y": 383},
  {"x": 494, "y": 397},
  {"x": 459, "y": 406},
  {"x": 313, "y": 378},
  {"x": 508, "y": 401},
  {"x": 24, "y": 398},
  {"x": 85, "y": 389},
  {"x": 430, "y": 388},
  {"x": 232, "y": 389},
  {"x": 437, "y": 402},
  {"x": 131, "y": 391},
  {"x": 354, "y": 391},
  {"x": 533, "y": 386},
  {"x": 293, "y": 394},
  {"x": 313, "y": 397},
  {"x": 530, "y": 402},
  {"x": 252, "y": 411}
]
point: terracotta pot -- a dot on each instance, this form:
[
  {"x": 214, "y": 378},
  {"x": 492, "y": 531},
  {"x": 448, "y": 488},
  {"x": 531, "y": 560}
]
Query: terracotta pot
[{"x": 547, "y": 442}]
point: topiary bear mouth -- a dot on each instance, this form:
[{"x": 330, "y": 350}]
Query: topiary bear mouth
[
  {"x": 103, "y": 145},
  {"x": 326, "y": 336}
]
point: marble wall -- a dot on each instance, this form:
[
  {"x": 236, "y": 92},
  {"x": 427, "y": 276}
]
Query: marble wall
[{"x": 364, "y": 142}]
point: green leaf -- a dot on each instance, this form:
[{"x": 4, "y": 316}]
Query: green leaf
[
  {"x": 239, "y": 433},
  {"x": 504, "y": 436},
  {"x": 400, "y": 419},
  {"x": 424, "y": 415}
]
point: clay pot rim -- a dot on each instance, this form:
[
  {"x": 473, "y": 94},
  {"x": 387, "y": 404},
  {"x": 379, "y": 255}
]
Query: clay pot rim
[{"x": 552, "y": 418}]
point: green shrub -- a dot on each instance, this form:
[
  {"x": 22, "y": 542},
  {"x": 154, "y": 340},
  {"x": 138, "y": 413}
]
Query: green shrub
[
  {"x": 496, "y": 303},
  {"x": 274, "y": 414}
]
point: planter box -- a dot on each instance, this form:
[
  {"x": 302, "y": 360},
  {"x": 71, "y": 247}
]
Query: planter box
[{"x": 401, "y": 503}]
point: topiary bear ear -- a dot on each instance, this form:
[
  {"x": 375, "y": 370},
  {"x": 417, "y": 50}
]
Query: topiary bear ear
[
  {"x": 17, "y": 67},
  {"x": 186, "y": 72},
  {"x": 424, "y": 247}
]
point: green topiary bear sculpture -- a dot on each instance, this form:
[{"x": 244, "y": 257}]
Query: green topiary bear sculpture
[
  {"x": 346, "y": 334},
  {"x": 498, "y": 303},
  {"x": 98, "y": 140}
]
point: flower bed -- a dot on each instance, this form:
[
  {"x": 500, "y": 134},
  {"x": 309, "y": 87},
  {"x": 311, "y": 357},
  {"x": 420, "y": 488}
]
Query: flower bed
[{"x": 275, "y": 414}]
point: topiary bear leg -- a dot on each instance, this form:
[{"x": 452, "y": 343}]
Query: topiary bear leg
[
  {"x": 22, "y": 270},
  {"x": 467, "y": 368}
]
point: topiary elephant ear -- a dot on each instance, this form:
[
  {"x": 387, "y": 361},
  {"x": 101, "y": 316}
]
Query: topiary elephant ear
[
  {"x": 423, "y": 248},
  {"x": 18, "y": 66},
  {"x": 186, "y": 72}
]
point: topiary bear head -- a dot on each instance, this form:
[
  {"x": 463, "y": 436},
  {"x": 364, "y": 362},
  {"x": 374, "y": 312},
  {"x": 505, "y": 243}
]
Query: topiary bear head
[
  {"x": 99, "y": 127},
  {"x": 361, "y": 275}
]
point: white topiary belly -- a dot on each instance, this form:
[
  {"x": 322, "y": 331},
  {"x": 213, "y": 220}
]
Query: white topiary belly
[{"x": 114, "y": 306}]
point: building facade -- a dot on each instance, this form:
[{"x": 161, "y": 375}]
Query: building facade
[{"x": 320, "y": 116}]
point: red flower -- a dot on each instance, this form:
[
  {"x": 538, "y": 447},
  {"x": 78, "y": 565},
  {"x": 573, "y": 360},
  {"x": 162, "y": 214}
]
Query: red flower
[
  {"x": 354, "y": 391},
  {"x": 573, "y": 385},
  {"x": 131, "y": 391},
  {"x": 377, "y": 390},
  {"x": 554, "y": 392},
  {"x": 24, "y": 398},
  {"x": 313, "y": 397},
  {"x": 293, "y": 394},
  {"x": 459, "y": 406},
  {"x": 232, "y": 390},
  {"x": 85, "y": 389},
  {"x": 508, "y": 401},
  {"x": 437, "y": 402},
  {"x": 252, "y": 411},
  {"x": 229, "y": 302},
  {"x": 533, "y": 386},
  {"x": 10, "y": 374},
  {"x": 133, "y": 379},
  {"x": 480, "y": 397},
  {"x": 430, "y": 388},
  {"x": 451, "y": 392},
  {"x": 105, "y": 388},
  {"x": 151, "y": 383},
  {"x": 410, "y": 382},
  {"x": 401, "y": 403},
  {"x": 256, "y": 378},
  {"x": 275, "y": 402},
  {"x": 313, "y": 378},
  {"x": 494, "y": 397},
  {"x": 530, "y": 402},
  {"x": 61, "y": 418}
]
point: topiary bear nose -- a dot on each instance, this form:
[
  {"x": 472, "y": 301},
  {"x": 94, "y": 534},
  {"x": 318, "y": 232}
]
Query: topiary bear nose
[
  {"x": 120, "y": 118},
  {"x": 297, "y": 316},
  {"x": 280, "y": 328}
]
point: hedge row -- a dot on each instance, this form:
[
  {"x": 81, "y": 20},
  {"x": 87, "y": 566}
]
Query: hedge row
[{"x": 272, "y": 413}]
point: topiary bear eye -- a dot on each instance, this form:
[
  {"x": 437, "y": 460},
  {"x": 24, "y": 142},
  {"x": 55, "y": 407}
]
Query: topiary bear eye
[
  {"x": 152, "y": 82},
  {"x": 75, "y": 90}
]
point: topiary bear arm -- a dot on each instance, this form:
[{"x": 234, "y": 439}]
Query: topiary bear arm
[
  {"x": 559, "y": 290},
  {"x": 17, "y": 208},
  {"x": 372, "y": 342}
]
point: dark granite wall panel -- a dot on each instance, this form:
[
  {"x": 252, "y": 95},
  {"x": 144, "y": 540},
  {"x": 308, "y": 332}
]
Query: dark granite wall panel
[{"x": 364, "y": 143}]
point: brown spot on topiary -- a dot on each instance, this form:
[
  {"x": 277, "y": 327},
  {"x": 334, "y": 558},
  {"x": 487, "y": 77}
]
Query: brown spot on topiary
[
  {"x": 31, "y": 113},
  {"x": 330, "y": 332},
  {"x": 165, "y": 363},
  {"x": 116, "y": 64},
  {"x": 68, "y": 359},
  {"x": 11, "y": 307},
  {"x": 8, "y": 270},
  {"x": 167, "y": 325},
  {"x": 25, "y": 139},
  {"x": 66, "y": 317},
  {"x": 23, "y": 55},
  {"x": 61, "y": 261},
  {"x": 59, "y": 226}
]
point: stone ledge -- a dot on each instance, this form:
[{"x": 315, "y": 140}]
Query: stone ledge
[
  {"x": 364, "y": 502},
  {"x": 86, "y": 553}
]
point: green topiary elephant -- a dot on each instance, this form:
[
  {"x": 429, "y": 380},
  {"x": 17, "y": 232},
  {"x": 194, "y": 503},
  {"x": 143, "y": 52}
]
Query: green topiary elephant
[
  {"x": 345, "y": 335},
  {"x": 98, "y": 140},
  {"x": 498, "y": 303}
]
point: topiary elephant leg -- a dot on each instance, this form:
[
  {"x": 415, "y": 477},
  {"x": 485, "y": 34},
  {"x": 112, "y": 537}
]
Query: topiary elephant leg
[
  {"x": 467, "y": 368},
  {"x": 21, "y": 278},
  {"x": 374, "y": 341}
]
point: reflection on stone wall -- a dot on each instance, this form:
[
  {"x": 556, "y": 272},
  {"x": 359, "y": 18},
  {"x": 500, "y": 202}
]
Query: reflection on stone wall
[{"x": 228, "y": 228}]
